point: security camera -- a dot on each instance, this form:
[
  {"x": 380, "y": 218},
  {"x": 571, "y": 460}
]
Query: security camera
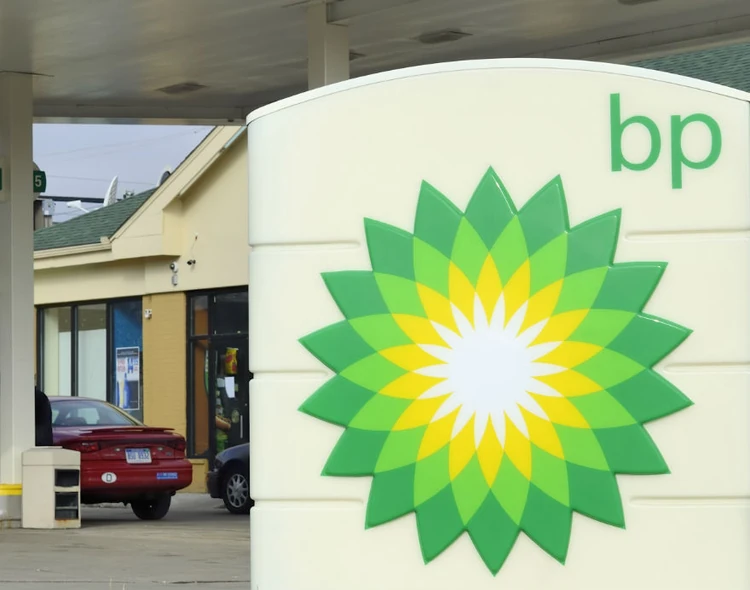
[
  {"x": 191, "y": 262},
  {"x": 173, "y": 266}
]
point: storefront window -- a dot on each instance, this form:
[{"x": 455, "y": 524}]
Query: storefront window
[
  {"x": 230, "y": 313},
  {"x": 92, "y": 350},
  {"x": 56, "y": 350},
  {"x": 127, "y": 354},
  {"x": 78, "y": 350}
]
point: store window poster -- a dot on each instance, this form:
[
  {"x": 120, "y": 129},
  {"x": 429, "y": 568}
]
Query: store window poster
[{"x": 128, "y": 371}]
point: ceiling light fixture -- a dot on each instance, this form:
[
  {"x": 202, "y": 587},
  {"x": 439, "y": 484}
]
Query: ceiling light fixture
[
  {"x": 181, "y": 88},
  {"x": 442, "y": 36}
]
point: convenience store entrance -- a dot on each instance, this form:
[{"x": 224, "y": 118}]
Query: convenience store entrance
[
  {"x": 230, "y": 379},
  {"x": 218, "y": 372}
]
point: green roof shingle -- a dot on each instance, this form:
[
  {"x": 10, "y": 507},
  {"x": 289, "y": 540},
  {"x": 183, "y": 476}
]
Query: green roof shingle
[{"x": 91, "y": 227}]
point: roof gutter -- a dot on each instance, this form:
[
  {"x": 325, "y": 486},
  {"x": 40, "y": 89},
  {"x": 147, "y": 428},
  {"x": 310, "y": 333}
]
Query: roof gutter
[{"x": 104, "y": 246}]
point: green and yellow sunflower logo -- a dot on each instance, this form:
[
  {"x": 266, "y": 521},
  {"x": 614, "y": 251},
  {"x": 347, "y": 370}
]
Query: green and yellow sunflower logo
[{"x": 494, "y": 371}]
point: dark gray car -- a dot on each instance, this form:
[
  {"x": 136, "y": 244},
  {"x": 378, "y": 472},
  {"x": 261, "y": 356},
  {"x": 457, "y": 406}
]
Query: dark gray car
[{"x": 230, "y": 479}]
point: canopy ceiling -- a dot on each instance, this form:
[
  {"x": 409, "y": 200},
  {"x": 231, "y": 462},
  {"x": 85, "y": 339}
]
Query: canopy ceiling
[{"x": 211, "y": 61}]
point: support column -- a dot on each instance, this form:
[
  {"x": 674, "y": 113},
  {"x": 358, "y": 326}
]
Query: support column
[
  {"x": 16, "y": 288},
  {"x": 327, "y": 48}
]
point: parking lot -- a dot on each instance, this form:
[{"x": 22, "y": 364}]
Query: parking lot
[{"x": 198, "y": 545}]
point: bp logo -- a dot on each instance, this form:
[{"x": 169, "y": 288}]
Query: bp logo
[{"x": 494, "y": 371}]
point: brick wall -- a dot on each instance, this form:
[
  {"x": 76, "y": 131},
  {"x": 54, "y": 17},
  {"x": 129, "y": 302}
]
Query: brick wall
[{"x": 164, "y": 362}]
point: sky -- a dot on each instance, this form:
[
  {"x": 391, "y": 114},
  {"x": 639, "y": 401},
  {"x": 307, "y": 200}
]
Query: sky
[{"x": 81, "y": 160}]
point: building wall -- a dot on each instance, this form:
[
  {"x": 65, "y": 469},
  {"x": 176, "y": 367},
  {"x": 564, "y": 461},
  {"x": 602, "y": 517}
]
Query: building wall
[
  {"x": 214, "y": 225},
  {"x": 90, "y": 283},
  {"x": 164, "y": 362}
]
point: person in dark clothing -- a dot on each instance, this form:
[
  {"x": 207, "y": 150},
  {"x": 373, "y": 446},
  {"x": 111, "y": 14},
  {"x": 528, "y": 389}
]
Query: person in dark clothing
[{"x": 42, "y": 419}]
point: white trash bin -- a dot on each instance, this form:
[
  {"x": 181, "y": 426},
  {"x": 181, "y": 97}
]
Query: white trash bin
[{"x": 51, "y": 496}]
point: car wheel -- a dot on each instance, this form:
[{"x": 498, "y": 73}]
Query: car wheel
[
  {"x": 154, "y": 509},
  {"x": 235, "y": 491}
]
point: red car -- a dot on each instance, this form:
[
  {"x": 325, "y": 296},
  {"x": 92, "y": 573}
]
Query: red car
[{"x": 122, "y": 460}]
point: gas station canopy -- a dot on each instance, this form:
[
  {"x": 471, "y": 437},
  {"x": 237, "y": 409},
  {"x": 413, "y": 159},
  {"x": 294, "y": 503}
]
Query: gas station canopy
[{"x": 213, "y": 62}]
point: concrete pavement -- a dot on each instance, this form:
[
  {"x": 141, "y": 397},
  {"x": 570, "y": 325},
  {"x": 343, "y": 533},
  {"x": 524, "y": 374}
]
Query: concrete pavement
[{"x": 198, "y": 545}]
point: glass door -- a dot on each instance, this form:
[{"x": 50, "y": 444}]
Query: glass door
[{"x": 230, "y": 383}]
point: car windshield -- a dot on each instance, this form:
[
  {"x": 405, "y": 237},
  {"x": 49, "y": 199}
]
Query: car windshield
[{"x": 83, "y": 412}]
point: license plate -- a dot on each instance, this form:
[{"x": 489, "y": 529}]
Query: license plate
[{"x": 138, "y": 455}]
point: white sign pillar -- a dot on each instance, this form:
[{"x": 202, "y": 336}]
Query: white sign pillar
[
  {"x": 501, "y": 339},
  {"x": 16, "y": 287},
  {"x": 328, "y": 49}
]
